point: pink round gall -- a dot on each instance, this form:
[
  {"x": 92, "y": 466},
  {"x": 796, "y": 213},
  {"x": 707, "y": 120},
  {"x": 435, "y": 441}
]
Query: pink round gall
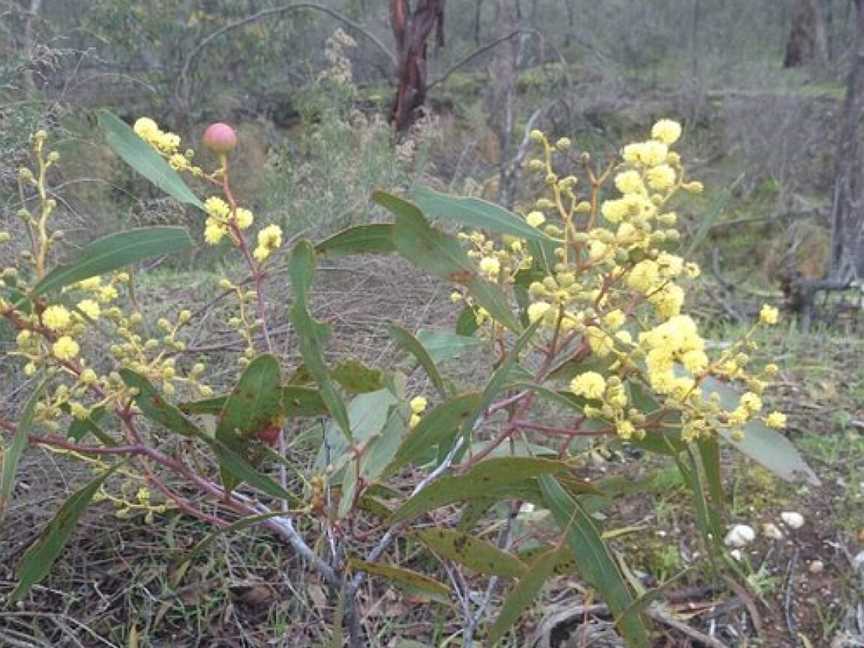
[{"x": 220, "y": 138}]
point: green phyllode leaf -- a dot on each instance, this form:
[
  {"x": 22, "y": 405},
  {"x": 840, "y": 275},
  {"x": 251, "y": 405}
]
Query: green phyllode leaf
[
  {"x": 525, "y": 592},
  {"x": 361, "y": 239},
  {"x": 438, "y": 426},
  {"x": 40, "y": 556},
  {"x": 407, "y": 579},
  {"x": 594, "y": 559},
  {"x": 12, "y": 455},
  {"x": 492, "y": 478},
  {"x": 156, "y": 408},
  {"x": 312, "y": 335},
  {"x": 253, "y": 406},
  {"x": 116, "y": 251},
  {"x": 475, "y": 213},
  {"x": 413, "y": 346},
  {"x": 140, "y": 156},
  {"x": 472, "y": 552}
]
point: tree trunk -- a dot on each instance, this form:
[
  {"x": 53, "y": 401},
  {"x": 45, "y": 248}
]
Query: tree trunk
[
  {"x": 847, "y": 209},
  {"x": 500, "y": 99},
  {"x": 806, "y": 43},
  {"x": 411, "y": 30},
  {"x": 478, "y": 12}
]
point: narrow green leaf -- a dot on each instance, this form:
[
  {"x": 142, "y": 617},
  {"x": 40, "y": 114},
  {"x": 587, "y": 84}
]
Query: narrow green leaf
[
  {"x": 439, "y": 425},
  {"x": 144, "y": 159},
  {"x": 707, "y": 518},
  {"x": 709, "y": 451},
  {"x": 155, "y": 408},
  {"x": 236, "y": 465},
  {"x": 116, "y": 251},
  {"x": 361, "y": 239},
  {"x": 525, "y": 593},
  {"x": 444, "y": 345},
  {"x": 414, "y": 582},
  {"x": 412, "y": 345},
  {"x": 475, "y": 213},
  {"x": 12, "y": 454},
  {"x": 356, "y": 378},
  {"x": 595, "y": 562},
  {"x": 40, "y": 556},
  {"x": 762, "y": 444},
  {"x": 489, "y": 478},
  {"x": 312, "y": 335},
  {"x": 472, "y": 552}
]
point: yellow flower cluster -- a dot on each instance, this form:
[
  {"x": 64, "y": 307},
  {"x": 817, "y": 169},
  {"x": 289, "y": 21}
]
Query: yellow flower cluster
[
  {"x": 167, "y": 144},
  {"x": 220, "y": 217},
  {"x": 618, "y": 286},
  {"x": 269, "y": 239}
]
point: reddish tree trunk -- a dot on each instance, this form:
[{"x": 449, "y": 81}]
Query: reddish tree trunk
[
  {"x": 411, "y": 30},
  {"x": 806, "y": 42}
]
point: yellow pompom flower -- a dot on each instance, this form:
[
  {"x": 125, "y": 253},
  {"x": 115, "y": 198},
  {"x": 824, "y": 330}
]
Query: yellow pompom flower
[
  {"x": 589, "y": 385},
  {"x": 695, "y": 361},
  {"x": 625, "y": 429},
  {"x": 93, "y": 283},
  {"x": 269, "y": 239},
  {"x": 769, "y": 315},
  {"x": 78, "y": 410},
  {"x": 600, "y": 343},
  {"x": 217, "y": 207},
  {"x": 644, "y": 276},
  {"x": 666, "y": 131},
  {"x": 660, "y": 177},
  {"x": 56, "y": 318},
  {"x": 145, "y": 128},
  {"x": 653, "y": 153},
  {"x": 65, "y": 348},
  {"x": 214, "y": 231},
  {"x": 88, "y": 377},
  {"x": 90, "y": 308},
  {"x": 107, "y": 294},
  {"x": 535, "y": 218},
  {"x": 243, "y": 218},
  {"x": 776, "y": 420},
  {"x": 615, "y": 319},
  {"x": 490, "y": 266},
  {"x": 615, "y": 211},
  {"x": 751, "y": 402},
  {"x": 537, "y": 310},
  {"x": 418, "y": 404},
  {"x": 629, "y": 182}
]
